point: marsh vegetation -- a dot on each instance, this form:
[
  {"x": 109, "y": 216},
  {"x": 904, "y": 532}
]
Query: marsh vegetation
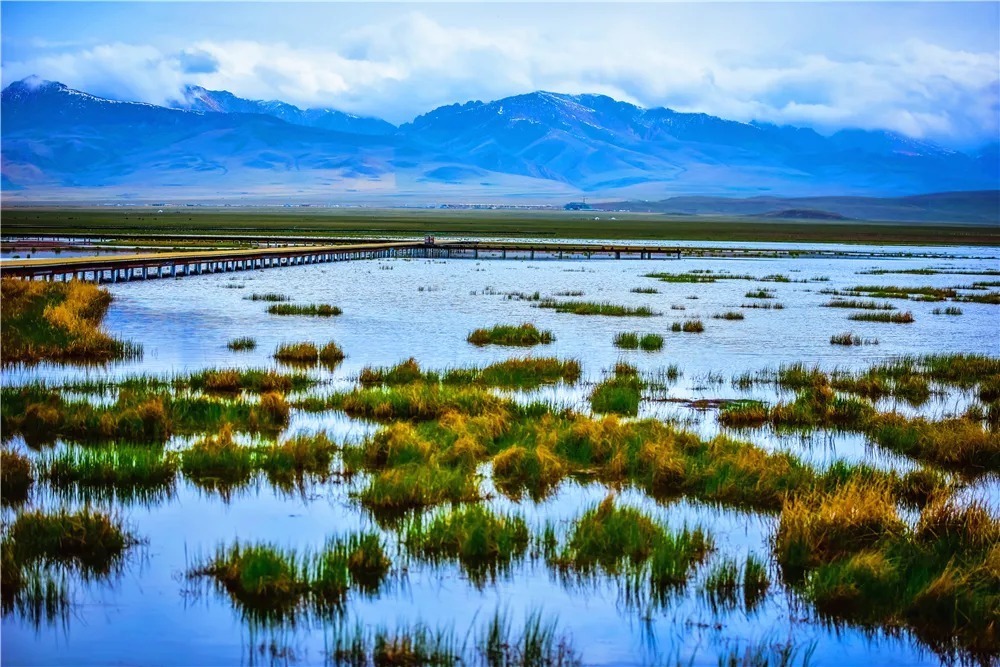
[{"x": 467, "y": 471}]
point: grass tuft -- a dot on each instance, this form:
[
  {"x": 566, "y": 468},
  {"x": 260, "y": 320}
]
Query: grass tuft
[{"x": 524, "y": 335}]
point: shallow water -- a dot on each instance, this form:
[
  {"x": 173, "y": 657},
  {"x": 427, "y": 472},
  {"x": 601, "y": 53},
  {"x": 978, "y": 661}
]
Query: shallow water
[{"x": 397, "y": 308}]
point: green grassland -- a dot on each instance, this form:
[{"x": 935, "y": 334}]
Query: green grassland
[{"x": 536, "y": 224}]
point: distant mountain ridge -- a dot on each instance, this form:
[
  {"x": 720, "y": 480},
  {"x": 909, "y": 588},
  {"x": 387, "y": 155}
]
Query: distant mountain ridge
[
  {"x": 197, "y": 98},
  {"x": 973, "y": 207},
  {"x": 60, "y": 142}
]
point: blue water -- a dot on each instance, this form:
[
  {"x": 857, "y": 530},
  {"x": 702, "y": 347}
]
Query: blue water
[{"x": 397, "y": 308}]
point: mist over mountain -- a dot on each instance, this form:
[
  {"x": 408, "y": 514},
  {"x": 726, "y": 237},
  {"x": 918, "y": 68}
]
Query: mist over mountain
[{"x": 62, "y": 143}]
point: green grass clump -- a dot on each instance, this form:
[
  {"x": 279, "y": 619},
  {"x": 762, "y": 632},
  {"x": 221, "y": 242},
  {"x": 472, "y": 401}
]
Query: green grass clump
[
  {"x": 859, "y": 305},
  {"x": 865, "y": 565},
  {"x": 699, "y": 276},
  {"x": 618, "y": 394},
  {"x": 521, "y": 373},
  {"x": 627, "y": 340},
  {"x": 16, "y": 477},
  {"x": 950, "y": 310},
  {"x": 846, "y": 339},
  {"x": 273, "y": 583},
  {"x": 894, "y": 318},
  {"x": 722, "y": 584},
  {"x": 418, "y": 401},
  {"x": 292, "y": 459},
  {"x": 743, "y": 414},
  {"x": 992, "y": 298},
  {"x": 591, "y": 308},
  {"x": 634, "y": 341},
  {"x": 300, "y": 353},
  {"x": 125, "y": 471},
  {"x": 897, "y": 292},
  {"x": 524, "y": 335},
  {"x": 651, "y": 342},
  {"x": 269, "y": 296},
  {"x": 413, "y": 486},
  {"x": 820, "y": 527},
  {"x": 231, "y": 381},
  {"x": 729, "y": 315},
  {"x": 91, "y": 541},
  {"x": 688, "y": 326},
  {"x": 320, "y": 310},
  {"x": 760, "y": 294},
  {"x": 612, "y": 537},
  {"x": 242, "y": 344},
  {"x": 959, "y": 443},
  {"x": 644, "y": 290},
  {"x": 218, "y": 461},
  {"x": 481, "y": 541},
  {"x": 59, "y": 322},
  {"x": 140, "y": 416},
  {"x": 331, "y": 354}
]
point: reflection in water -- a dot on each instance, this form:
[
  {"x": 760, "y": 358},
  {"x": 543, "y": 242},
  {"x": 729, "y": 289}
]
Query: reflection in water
[{"x": 185, "y": 327}]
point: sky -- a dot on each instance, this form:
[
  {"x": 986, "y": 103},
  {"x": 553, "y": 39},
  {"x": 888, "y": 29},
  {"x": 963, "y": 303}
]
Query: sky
[{"x": 926, "y": 70}]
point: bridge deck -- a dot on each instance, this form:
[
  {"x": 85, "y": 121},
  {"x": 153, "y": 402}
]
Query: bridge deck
[{"x": 124, "y": 266}]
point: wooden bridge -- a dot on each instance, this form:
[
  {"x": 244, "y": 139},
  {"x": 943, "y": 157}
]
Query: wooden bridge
[
  {"x": 143, "y": 266},
  {"x": 173, "y": 264}
]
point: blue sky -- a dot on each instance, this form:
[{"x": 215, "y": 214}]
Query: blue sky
[{"x": 928, "y": 70}]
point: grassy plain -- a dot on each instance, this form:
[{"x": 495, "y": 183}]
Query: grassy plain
[{"x": 506, "y": 223}]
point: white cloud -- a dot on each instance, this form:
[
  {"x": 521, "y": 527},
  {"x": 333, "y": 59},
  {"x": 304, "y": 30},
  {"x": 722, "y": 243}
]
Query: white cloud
[{"x": 409, "y": 64}]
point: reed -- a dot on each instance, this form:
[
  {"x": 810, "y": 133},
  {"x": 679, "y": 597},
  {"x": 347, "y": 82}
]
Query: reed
[
  {"x": 269, "y": 296},
  {"x": 618, "y": 394},
  {"x": 729, "y": 315},
  {"x": 651, "y": 342},
  {"x": 644, "y": 290},
  {"x": 522, "y": 373},
  {"x": 331, "y": 354},
  {"x": 760, "y": 294},
  {"x": 242, "y": 344},
  {"x": 894, "y": 318},
  {"x": 821, "y": 527},
  {"x": 950, "y": 310},
  {"x": 92, "y": 542},
  {"x": 688, "y": 326},
  {"x": 756, "y": 582},
  {"x": 16, "y": 477},
  {"x": 627, "y": 340},
  {"x": 274, "y": 582},
  {"x": 302, "y": 353},
  {"x": 494, "y": 643},
  {"x": 58, "y": 322},
  {"x": 897, "y": 292},
  {"x": 524, "y": 335},
  {"x": 959, "y": 443},
  {"x": 591, "y": 308},
  {"x": 856, "y": 304},
  {"x": 318, "y": 310},
  {"x": 846, "y": 338},
  {"x": 721, "y": 585},
  {"x": 766, "y": 305},
  {"x": 218, "y": 462},
  {"x": 483, "y": 542},
  {"x": 128, "y": 471},
  {"x": 412, "y": 486}
]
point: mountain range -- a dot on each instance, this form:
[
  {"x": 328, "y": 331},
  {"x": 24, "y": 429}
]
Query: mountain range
[{"x": 60, "y": 143}]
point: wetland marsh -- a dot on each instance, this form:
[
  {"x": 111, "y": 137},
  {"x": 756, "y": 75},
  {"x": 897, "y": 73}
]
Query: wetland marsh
[{"x": 512, "y": 462}]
